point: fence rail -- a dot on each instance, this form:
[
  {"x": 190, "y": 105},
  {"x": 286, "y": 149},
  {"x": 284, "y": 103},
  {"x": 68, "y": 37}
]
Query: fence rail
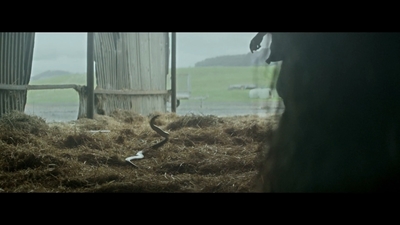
[
  {"x": 38, "y": 87},
  {"x": 78, "y": 87}
]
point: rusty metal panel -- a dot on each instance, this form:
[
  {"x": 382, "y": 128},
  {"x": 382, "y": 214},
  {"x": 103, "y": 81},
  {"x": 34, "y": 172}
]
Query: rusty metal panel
[
  {"x": 16, "y": 54},
  {"x": 132, "y": 62}
]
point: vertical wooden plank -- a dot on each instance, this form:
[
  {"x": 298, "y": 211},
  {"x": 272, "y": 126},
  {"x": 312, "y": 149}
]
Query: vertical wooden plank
[
  {"x": 14, "y": 57},
  {"x": 19, "y": 56},
  {"x": 14, "y": 99},
  {"x": 14, "y": 77},
  {"x": 163, "y": 72},
  {"x": 115, "y": 46},
  {"x": 144, "y": 75},
  {"x": 120, "y": 76},
  {"x": 95, "y": 55},
  {"x": 125, "y": 64},
  {"x": 154, "y": 60},
  {"x": 129, "y": 59},
  {"x": 99, "y": 58},
  {"x": 138, "y": 85},
  {"x": 107, "y": 54},
  {"x": 90, "y": 76},
  {"x": 114, "y": 62},
  {"x": 154, "y": 65},
  {"x": 6, "y": 67},
  {"x": 116, "y": 84},
  {"x": 139, "y": 62},
  {"x": 135, "y": 52},
  {"x": 102, "y": 61},
  {"x": 11, "y": 55},
  {"x": 9, "y": 100},
  {"x": 27, "y": 46},
  {"x": 112, "y": 100},
  {"x": 18, "y": 59},
  {"x": 105, "y": 57},
  {"x": 120, "y": 62},
  {"x": 163, "y": 66},
  {"x": 28, "y": 43},
  {"x": 2, "y": 58},
  {"x": 9, "y": 48},
  {"x": 173, "y": 72},
  {"x": 145, "y": 64},
  {"x": 167, "y": 50},
  {"x": 150, "y": 62},
  {"x": 2, "y": 103},
  {"x": 108, "y": 57}
]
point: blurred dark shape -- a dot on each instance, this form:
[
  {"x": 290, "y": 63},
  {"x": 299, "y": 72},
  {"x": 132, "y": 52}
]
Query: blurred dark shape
[{"x": 340, "y": 128}]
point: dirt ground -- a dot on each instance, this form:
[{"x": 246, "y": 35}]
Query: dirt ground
[{"x": 204, "y": 153}]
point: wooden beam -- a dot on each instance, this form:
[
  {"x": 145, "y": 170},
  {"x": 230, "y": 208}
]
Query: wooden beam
[
  {"x": 90, "y": 76},
  {"x": 54, "y": 86},
  {"x": 129, "y": 92},
  {"x": 12, "y": 87},
  {"x": 173, "y": 72},
  {"x": 77, "y": 88}
]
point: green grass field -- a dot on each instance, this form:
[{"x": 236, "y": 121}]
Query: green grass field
[
  {"x": 62, "y": 96},
  {"x": 214, "y": 82},
  {"x": 210, "y": 82}
]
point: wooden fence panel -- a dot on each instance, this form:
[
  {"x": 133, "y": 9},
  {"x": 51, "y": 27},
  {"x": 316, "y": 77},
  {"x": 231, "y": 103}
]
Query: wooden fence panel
[
  {"x": 136, "y": 63},
  {"x": 16, "y": 54}
]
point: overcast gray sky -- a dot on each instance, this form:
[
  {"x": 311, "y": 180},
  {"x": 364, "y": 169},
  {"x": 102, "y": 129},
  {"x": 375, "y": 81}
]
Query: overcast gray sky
[{"x": 67, "y": 51}]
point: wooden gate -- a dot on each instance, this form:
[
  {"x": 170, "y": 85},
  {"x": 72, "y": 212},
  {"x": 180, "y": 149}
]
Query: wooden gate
[{"x": 131, "y": 71}]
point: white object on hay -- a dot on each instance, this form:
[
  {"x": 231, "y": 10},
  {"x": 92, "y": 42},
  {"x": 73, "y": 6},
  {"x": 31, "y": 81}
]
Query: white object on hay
[{"x": 138, "y": 155}]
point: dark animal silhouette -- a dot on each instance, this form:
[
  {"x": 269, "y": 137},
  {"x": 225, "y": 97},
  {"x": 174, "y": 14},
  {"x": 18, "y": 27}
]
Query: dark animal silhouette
[
  {"x": 340, "y": 129},
  {"x": 278, "y": 48}
]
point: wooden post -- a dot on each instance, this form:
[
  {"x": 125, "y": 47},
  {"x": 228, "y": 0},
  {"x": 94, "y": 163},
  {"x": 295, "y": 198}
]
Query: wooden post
[
  {"x": 173, "y": 72},
  {"x": 90, "y": 76}
]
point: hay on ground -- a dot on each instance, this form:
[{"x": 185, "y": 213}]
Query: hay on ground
[{"x": 204, "y": 153}]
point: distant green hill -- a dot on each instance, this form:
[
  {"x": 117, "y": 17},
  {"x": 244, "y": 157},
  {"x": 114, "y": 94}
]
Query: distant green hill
[
  {"x": 61, "y": 79},
  {"x": 50, "y": 73},
  {"x": 244, "y": 60}
]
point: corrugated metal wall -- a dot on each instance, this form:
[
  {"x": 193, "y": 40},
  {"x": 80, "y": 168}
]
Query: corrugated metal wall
[
  {"x": 16, "y": 54},
  {"x": 136, "y": 63}
]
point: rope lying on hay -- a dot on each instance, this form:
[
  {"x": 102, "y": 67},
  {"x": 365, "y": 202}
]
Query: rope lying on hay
[{"x": 159, "y": 131}]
